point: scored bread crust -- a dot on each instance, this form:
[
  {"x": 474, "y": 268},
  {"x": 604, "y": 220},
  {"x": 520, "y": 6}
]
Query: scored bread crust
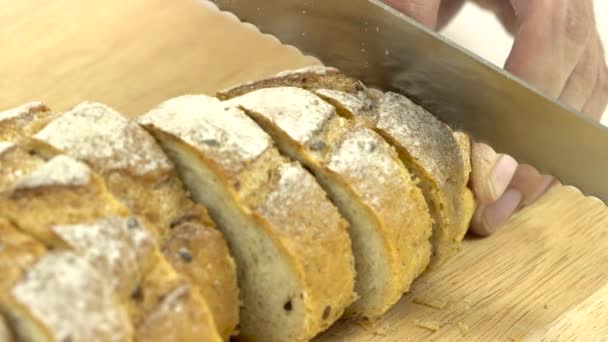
[
  {"x": 138, "y": 173},
  {"x": 314, "y": 77},
  {"x": 56, "y": 295},
  {"x": 360, "y": 170},
  {"x": 278, "y": 200},
  {"x": 426, "y": 146},
  {"x": 65, "y": 205},
  {"x": 23, "y": 121}
]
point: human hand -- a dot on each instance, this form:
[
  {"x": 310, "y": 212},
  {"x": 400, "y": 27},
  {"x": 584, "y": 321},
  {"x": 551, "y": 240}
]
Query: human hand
[{"x": 556, "y": 49}]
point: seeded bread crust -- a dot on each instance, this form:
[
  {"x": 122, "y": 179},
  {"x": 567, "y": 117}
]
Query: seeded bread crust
[
  {"x": 426, "y": 146},
  {"x": 279, "y": 198},
  {"x": 65, "y": 205},
  {"x": 355, "y": 159},
  {"x": 138, "y": 173}
]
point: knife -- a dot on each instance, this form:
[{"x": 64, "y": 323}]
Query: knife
[{"x": 385, "y": 49}]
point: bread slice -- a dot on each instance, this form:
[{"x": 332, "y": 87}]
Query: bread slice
[
  {"x": 293, "y": 254},
  {"x": 389, "y": 220},
  {"x": 138, "y": 173},
  {"x": 426, "y": 145},
  {"x": 23, "y": 121},
  {"x": 66, "y": 206},
  {"x": 54, "y": 295}
]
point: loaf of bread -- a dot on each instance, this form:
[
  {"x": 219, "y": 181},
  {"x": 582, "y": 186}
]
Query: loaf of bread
[
  {"x": 293, "y": 253},
  {"x": 137, "y": 172},
  {"x": 66, "y": 206},
  {"x": 389, "y": 221},
  {"x": 427, "y": 147},
  {"x": 104, "y": 234}
]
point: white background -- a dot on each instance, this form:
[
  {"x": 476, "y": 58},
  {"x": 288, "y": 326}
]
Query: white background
[{"x": 488, "y": 39}]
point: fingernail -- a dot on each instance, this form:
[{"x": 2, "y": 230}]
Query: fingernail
[
  {"x": 501, "y": 176},
  {"x": 499, "y": 212}
]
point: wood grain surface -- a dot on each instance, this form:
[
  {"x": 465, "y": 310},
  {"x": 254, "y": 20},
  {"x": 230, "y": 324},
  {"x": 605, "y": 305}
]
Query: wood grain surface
[{"x": 543, "y": 277}]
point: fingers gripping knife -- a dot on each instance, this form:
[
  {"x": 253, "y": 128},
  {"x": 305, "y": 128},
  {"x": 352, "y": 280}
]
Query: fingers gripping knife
[{"x": 385, "y": 49}]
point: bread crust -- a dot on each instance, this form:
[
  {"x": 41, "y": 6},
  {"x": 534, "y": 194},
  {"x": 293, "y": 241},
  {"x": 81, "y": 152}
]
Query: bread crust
[
  {"x": 315, "y": 77},
  {"x": 66, "y": 206},
  {"x": 23, "y": 121},
  {"x": 38, "y": 290},
  {"x": 280, "y": 196}
]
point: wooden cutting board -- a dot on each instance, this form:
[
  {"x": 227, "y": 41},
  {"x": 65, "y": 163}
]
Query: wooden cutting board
[{"x": 543, "y": 277}]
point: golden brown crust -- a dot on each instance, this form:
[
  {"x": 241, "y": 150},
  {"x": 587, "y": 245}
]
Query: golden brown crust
[
  {"x": 84, "y": 217},
  {"x": 428, "y": 141},
  {"x": 197, "y": 253},
  {"x": 436, "y": 157},
  {"x": 317, "y": 77},
  {"x": 139, "y": 174},
  {"x": 95, "y": 133},
  {"x": 67, "y": 299},
  {"x": 464, "y": 142},
  {"x": 282, "y": 197},
  {"x": 362, "y": 162},
  {"x": 18, "y": 251},
  {"x": 16, "y": 161},
  {"x": 175, "y": 317},
  {"x": 314, "y": 235},
  {"x": 466, "y": 204},
  {"x": 55, "y": 294},
  {"x": 23, "y": 121}
]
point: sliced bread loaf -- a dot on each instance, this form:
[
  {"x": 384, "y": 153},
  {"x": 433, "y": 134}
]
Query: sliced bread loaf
[
  {"x": 293, "y": 254},
  {"x": 426, "y": 146},
  {"x": 138, "y": 173},
  {"x": 66, "y": 206},
  {"x": 389, "y": 220}
]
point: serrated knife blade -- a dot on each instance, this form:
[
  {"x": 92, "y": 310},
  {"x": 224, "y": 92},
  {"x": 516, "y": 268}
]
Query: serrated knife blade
[{"x": 385, "y": 49}]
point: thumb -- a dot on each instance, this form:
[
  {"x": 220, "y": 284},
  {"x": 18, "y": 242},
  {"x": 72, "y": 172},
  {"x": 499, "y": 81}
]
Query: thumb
[{"x": 423, "y": 11}]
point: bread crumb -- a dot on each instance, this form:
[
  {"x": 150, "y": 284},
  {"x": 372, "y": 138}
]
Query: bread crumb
[
  {"x": 464, "y": 329},
  {"x": 432, "y": 303},
  {"x": 515, "y": 339},
  {"x": 429, "y": 325}
]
